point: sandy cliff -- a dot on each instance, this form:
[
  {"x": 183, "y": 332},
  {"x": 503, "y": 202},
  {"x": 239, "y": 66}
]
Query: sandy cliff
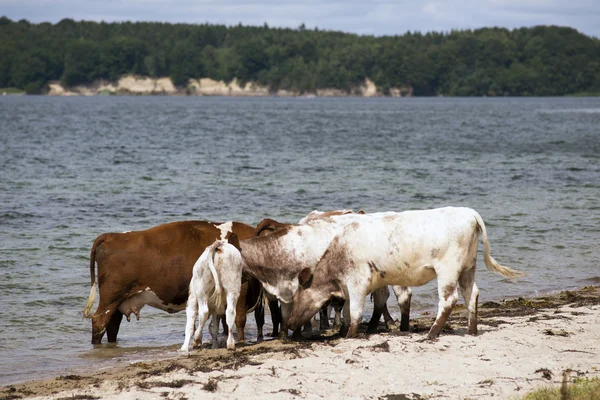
[{"x": 143, "y": 85}]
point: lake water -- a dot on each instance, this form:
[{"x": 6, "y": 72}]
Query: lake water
[{"x": 73, "y": 168}]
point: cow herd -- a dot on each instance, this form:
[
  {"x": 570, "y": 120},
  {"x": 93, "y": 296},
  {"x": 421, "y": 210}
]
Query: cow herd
[{"x": 337, "y": 256}]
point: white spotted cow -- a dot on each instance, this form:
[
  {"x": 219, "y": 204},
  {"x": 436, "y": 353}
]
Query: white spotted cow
[{"x": 408, "y": 248}]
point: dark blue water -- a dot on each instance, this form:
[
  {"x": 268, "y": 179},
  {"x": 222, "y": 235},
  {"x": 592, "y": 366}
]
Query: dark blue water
[{"x": 73, "y": 168}]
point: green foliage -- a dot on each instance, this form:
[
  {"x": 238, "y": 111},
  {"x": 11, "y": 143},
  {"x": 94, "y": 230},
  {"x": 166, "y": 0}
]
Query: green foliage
[
  {"x": 10, "y": 90},
  {"x": 540, "y": 61}
]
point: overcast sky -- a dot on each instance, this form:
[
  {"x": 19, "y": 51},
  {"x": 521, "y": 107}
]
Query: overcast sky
[{"x": 356, "y": 16}]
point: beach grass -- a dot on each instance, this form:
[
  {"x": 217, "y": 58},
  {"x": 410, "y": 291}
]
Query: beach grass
[{"x": 580, "y": 389}]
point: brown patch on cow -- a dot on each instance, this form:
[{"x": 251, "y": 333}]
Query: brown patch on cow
[
  {"x": 233, "y": 239},
  {"x": 305, "y": 277},
  {"x": 448, "y": 291}
]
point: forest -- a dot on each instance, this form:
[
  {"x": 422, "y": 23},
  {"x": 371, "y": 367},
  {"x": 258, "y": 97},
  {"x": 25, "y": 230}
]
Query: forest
[{"x": 537, "y": 61}]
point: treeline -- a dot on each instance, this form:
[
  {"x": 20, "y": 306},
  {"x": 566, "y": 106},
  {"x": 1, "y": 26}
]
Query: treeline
[{"x": 540, "y": 61}]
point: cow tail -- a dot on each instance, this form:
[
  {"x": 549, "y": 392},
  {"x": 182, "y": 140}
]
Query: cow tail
[
  {"x": 216, "y": 297},
  {"x": 87, "y": 311},
  {"x": 260, "y": 300},
  {"x": 490, "y": 263}
]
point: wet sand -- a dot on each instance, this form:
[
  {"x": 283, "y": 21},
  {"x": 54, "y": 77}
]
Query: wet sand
[{"x": 523, "y": 344}]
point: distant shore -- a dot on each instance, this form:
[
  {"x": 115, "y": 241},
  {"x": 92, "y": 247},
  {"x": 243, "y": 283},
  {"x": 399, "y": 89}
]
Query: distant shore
[
  {"x": 523, "y": 344},
  {"x": 144, "y": 85}
]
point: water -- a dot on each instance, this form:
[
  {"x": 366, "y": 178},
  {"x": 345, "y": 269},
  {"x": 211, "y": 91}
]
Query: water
[{"x": 73, "y": 168}]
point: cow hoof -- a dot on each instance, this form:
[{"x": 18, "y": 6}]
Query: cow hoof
[
  {"x": 372, "y": 329},
  {"x": 259, "y": 339},
  {"x": 431, "y": 338}
]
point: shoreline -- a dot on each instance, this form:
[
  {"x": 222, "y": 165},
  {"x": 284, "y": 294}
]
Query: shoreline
[{"x": 522, "y": 344}]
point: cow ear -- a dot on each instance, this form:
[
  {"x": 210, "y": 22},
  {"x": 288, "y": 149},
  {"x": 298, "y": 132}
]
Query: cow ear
[
  {"x": 305, "y": 277},
  {"x": 360, "y": 212},
  {"x": 263, "y": 226},
  {"x": 234, "y": 240}
]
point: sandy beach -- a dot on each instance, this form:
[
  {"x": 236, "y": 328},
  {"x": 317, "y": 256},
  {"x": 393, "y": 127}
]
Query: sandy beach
[{"x": 523, "y": 344}]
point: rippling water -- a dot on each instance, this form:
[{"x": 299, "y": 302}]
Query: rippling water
[{"x": 73, "y": 168}]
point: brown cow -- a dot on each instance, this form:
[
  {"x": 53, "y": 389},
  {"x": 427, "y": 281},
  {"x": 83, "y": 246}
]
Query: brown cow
[{"x": 153, "y": 267}]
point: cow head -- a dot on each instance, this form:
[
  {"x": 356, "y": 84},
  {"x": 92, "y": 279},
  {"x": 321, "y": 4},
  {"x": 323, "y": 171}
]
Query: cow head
[
  {"x": 233, "y": 239},
  {"x": 268, "y": 226},
  {"x": 309, "y": 298}
]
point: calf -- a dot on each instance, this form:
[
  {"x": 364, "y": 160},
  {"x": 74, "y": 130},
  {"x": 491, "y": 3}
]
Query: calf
[
  {"x": 408, "y": 249},
  {"x": 214, "y": 290}
]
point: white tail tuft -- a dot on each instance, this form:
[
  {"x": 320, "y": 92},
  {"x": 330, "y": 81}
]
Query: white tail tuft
[
  {"x": 87, "y": 311},
  {"x": 216, "y": 297},
  {"x": 490, "y": 263}
]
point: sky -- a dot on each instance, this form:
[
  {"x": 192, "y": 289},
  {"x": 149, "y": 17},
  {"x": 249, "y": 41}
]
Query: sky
[{"x": 364, "y": 17}]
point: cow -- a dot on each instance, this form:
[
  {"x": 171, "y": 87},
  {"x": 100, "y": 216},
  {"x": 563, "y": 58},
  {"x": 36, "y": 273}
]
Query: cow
[
  {"x": 214, "y": 290},
  {"x": 152, "y": 266},
  {"x": 277, "y": 259},
  {"x": 380, "y": 296},
  {"x": 408, "y": 248}
]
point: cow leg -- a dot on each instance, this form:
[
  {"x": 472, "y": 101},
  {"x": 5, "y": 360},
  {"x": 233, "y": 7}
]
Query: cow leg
[
  {"x": 240, "y": 321},
  {"x": 113, "y": 326},
  {"x": 240, "y": 315},
  {"x": 275, "y": 312},
  {"x": 470, "y": 293},
  {"x": 307, "y": 328},
  {"x": 213, "y": 327},
  {"x": 100, "y": 321},
  {"x": 259, "y": 316},
  {"x": 191, "y": 312},
  {"x": 403, "y": 295},
  {"x": 448, "y": 297},
  {"x": 286, "y": 309},
  {"x": 374, "y": 322},
  {"x": 324, "y": 318},
  {"x": 232, "y": 299},
  {"x": 225, "y": 328},
  {"x": 345, "y": 322},
  {"x": 337, "y": 319},
  {"x": 379, "y": 299},
  {"x": 203, "y": 315},
  {"x": 357, "y": 305}
]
